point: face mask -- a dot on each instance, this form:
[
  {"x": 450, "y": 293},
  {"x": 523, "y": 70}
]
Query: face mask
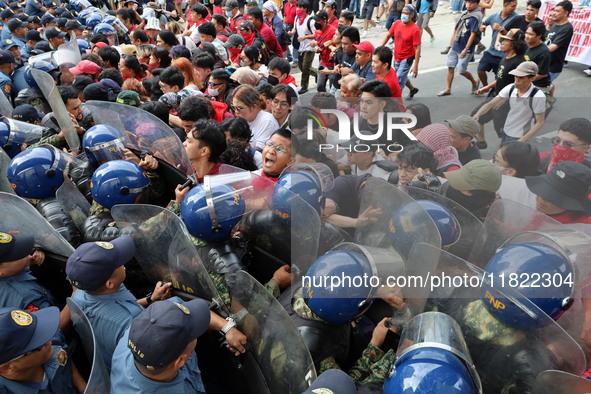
[
  {"x": 302, "y": 14},
  {"x": 229, "y": 14},
  {"x": 213, "y": 92},
  {"x": 404, "y": 18},
  {"x": 499, "y": 47},
  {"x": 161, "y": 2},
  {"x": 244, "y": 63},
  {"x": 561, "y": 153},
  {"x": 234, "y": 52},
  {"x": 273, "y": 80},
  {"x": 318, "y": 26}
]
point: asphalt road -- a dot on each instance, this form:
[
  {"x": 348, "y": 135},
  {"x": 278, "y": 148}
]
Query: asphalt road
[{"x": 573, "y": 90}]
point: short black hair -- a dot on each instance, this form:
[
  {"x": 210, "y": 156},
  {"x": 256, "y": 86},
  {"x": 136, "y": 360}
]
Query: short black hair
[
  {"x": 110, "y": 55},
  {"x": 304, "y": 4},
  {"x": 256, "y": 13},
  {"x": 376, "y": 87},
  {"x": 194, "y": 108},
  {"x": 422, "y": 113},
  {"x": 384, "y": 54},
  {"x": 140, "y": 34},
  {"x": 220, "y": 19},
  {"x": 537, "y": 4},
  {"x": 324, "y": 100},
  {"x": 290, "y": 93},
  {"x": 505, "y": 2},
  {"x": 286, "y": 133},
  {"x": 208, "y": 133},
  {"x": 566, "y": 5},
  {"x": 417, "y": 155},
  {"x": 178, "y": 51},
  {"x": 99, "y": 38},
  {"x": 207, "y": 28},
  {"x": 157, "y": 109},
  {"x": 168, "y": 37},
  {"x": 352, "y": 33},
  {"x": 111, "y": 73},
  {"x": 200, "y": 9},
  {"x": 580, "y": 127},
  {"x": 253, "y": 53},
  {"x": 281, "y": 64},
  {"x": 348, "y": 15},
  {"x": 523, "y": 157},
  {"x": 539, "y": 28},
  {"x": 124, "y": 13},
  {"x": 238, "y": 128},
  {"x": 173, "y": 76},
  {"x": 264, "y": 89},
  {"x": 67, "y": 93},
  {"x": 220, "y": 73},
  {"x": 203, "y": 60}
]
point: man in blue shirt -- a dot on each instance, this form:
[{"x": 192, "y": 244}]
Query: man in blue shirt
[
  {"x": 462, "y": 46},
  {"x": 29, "y": 364},
  {"x": 18, "y": 288},
  {"x": 35, "y": 8},
  {"x": 492, "y": 57},
  {"x": 156, "y": 354},
  {"x": 362, "y": 65},
  {"x": 18, "y": 30},
  {"x": 97, "y": 270},
  {"x": 6, "y": 16}
]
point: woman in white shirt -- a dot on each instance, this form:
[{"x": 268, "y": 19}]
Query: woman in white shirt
[{"x": 248, "y": 105}]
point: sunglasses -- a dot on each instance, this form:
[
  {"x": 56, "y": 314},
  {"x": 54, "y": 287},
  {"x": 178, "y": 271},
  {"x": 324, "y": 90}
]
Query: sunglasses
[{"x": 566, "y": 144}]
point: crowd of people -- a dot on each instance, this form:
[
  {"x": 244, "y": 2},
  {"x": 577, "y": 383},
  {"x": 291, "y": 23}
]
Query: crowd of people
[{"x": 130, "y": 102}]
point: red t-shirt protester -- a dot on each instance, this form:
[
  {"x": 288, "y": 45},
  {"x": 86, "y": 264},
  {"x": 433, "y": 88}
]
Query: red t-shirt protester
[
  {"x": 289, "y": 12},
  {"x": 324, "y": 32},
  {"x": 381, "y": 66},
  {"x": 406, "y": 38}
]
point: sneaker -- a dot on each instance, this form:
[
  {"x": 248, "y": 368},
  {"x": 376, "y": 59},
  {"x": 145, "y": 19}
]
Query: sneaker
[
  {"x": 303, "y": 91},
  {"x": 587, "y": 71},
  {"x": 412, "y": 93},
  {"x": 294, "y": 65},
  {"x": 432, "y": 40},
  {"x": 445, "y": 51},
  {"x": 364, "y": 34},
  {"x": 378, "y": 28},
  {"x": 481, "y": 144}
]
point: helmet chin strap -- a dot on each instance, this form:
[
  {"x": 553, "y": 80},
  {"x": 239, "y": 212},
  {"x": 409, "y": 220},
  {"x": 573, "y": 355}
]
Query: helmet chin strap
[{"x": 215, "y": 226}]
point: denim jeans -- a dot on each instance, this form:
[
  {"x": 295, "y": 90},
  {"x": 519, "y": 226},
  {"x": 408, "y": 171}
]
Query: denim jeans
[
  {"x": 355, "y": 6},
  {"x": 402, "y": 69},
  {"x": 391, "y": 19}
]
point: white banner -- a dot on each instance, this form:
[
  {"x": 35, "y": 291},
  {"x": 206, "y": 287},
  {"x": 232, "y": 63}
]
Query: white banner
[{"x": 580, "y": 46}]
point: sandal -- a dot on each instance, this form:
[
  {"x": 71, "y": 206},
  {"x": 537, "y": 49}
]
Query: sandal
[
  {"x": 443, "y": 93},
  {"x": 475, "y": 89}
]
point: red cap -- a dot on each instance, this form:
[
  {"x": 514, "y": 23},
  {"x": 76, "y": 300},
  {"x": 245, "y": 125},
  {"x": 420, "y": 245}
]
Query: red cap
[
  {"x": 85, "y": 67},
  {"x": 364, "y": 46},
  {"x": 100, "y": 44}
]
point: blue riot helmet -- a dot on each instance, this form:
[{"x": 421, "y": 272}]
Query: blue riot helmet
[
  {"x": 302, "y": 183},
  {"x": 83, "y": 45},
  {"x": 116, "y": 23},
  {"x": 118, "y": 182},
  {"x": 37, "y": 172},
  {"x": 525, "y": 267},
  {"x": 211, "y": 211},
  {"x": 15, "y": 133},
  {"x": 93, "y": 19},
  {"x": 447, "y": 224},
  {"x": 109, "y": 31},
  {"x": 432, "y": 357},
  {"x": 42, "y": 65},
  {"x": 11, "y": 147},
  {"x": 82, "y": 14},
  {"x": 429, "y": 370},
  {"x": 103, "y": 143},
  {"x": 343, "y": 303}
]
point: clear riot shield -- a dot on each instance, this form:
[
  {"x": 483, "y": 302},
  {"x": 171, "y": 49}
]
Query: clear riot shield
[
  {"x": 576, "y": 246},
  {"x": 19, "y": 215},
  {"x": 506, "y": 218},
  {"x": 24, "y": 133},
  {"x": 145, "y": 133},
  {"x": 73, "y": 202},
  {"x": 98, "y": 381},
  {"x": 552, "y": 382},
  {"x": 4, "y": 183},
  {"x": 68, "y": 54},
  {"x": 395, "y": 219},
  {"x": 321, "y": 171},
  {"x": 506, "y": 358},
  {"x": 470, "y": 227},
  {"x": 228, "y": 169},
  {"x": 164, "y": 250},
  {"x": 276, "y": 350},
  {"x": 5, "y": 107},
  {"x": 52, "y": 95},
  {"x": 440, "y": 331},
  {"x": 272, "y": 217}
]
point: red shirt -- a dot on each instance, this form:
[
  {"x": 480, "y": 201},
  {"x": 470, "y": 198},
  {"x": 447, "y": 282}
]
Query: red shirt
[
  {"x": 288, "y": 80},
  {"x": 236, "y": 21},
  {"x": 289, "y": 13},
  {"x": 570, "y": 217},
  {"x": 214, "y": 171},
  {"x": 406, "y": 38},
  {"x": 270, "y": 39},
  {"x": 334, "y": 22},
  {"x": 321, "y": 37},
  {"x": 392, "y": 80}
]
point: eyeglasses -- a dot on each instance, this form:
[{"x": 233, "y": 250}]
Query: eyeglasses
[
  {"x": 278, "y": 148},
  {"x": 566, "y": 144},
  {"x": 236, "y": 108},
  {"x": 214, "y": 84},
  {"x": 280, "y": 104}
]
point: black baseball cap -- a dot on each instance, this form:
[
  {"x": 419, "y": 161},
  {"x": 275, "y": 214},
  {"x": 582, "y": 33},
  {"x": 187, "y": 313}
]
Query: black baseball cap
[
  {"x": 15, "y": 23},
  {"x": 34, "y": 19},
  {"x": 320, "y": 16},
  {"x": 15, "y": 246},
  {"x": 48, "y": 18},
  {"x": 7, "y": 13},
  {"x": 33, "y": 35},
  {"x": 54, "y": 32},
  {"x": 6, "y": 57},
  {"x": 74, "y": 24},
  {"x": 26, "y": 113}
]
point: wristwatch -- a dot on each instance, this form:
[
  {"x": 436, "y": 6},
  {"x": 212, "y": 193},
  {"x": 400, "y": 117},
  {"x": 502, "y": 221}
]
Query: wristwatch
[
  {"x": 149, "y": 299},
  {"x": 229, "y": 325}
]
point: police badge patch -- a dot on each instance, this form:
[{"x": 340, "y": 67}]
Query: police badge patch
[
  {"x": 105, "y": 245},
  {"x": 21, "y": 318},
  {"x": 62, "y": 357}
]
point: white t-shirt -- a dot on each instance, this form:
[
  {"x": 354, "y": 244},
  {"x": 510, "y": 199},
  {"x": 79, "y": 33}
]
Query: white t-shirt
[
  {"x": 374, "y": 170},
  {"x": 520, "y": 117},
  {"x": 262, "y": 127},
  {"x": 515, "y": 189},
  {"x": 303, "y": 31}
]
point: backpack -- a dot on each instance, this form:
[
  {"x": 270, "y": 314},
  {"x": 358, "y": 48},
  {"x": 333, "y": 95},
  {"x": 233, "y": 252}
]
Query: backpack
[
  {"x": 535, "y": 90},
  {"x": 464, "y": 17}
]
